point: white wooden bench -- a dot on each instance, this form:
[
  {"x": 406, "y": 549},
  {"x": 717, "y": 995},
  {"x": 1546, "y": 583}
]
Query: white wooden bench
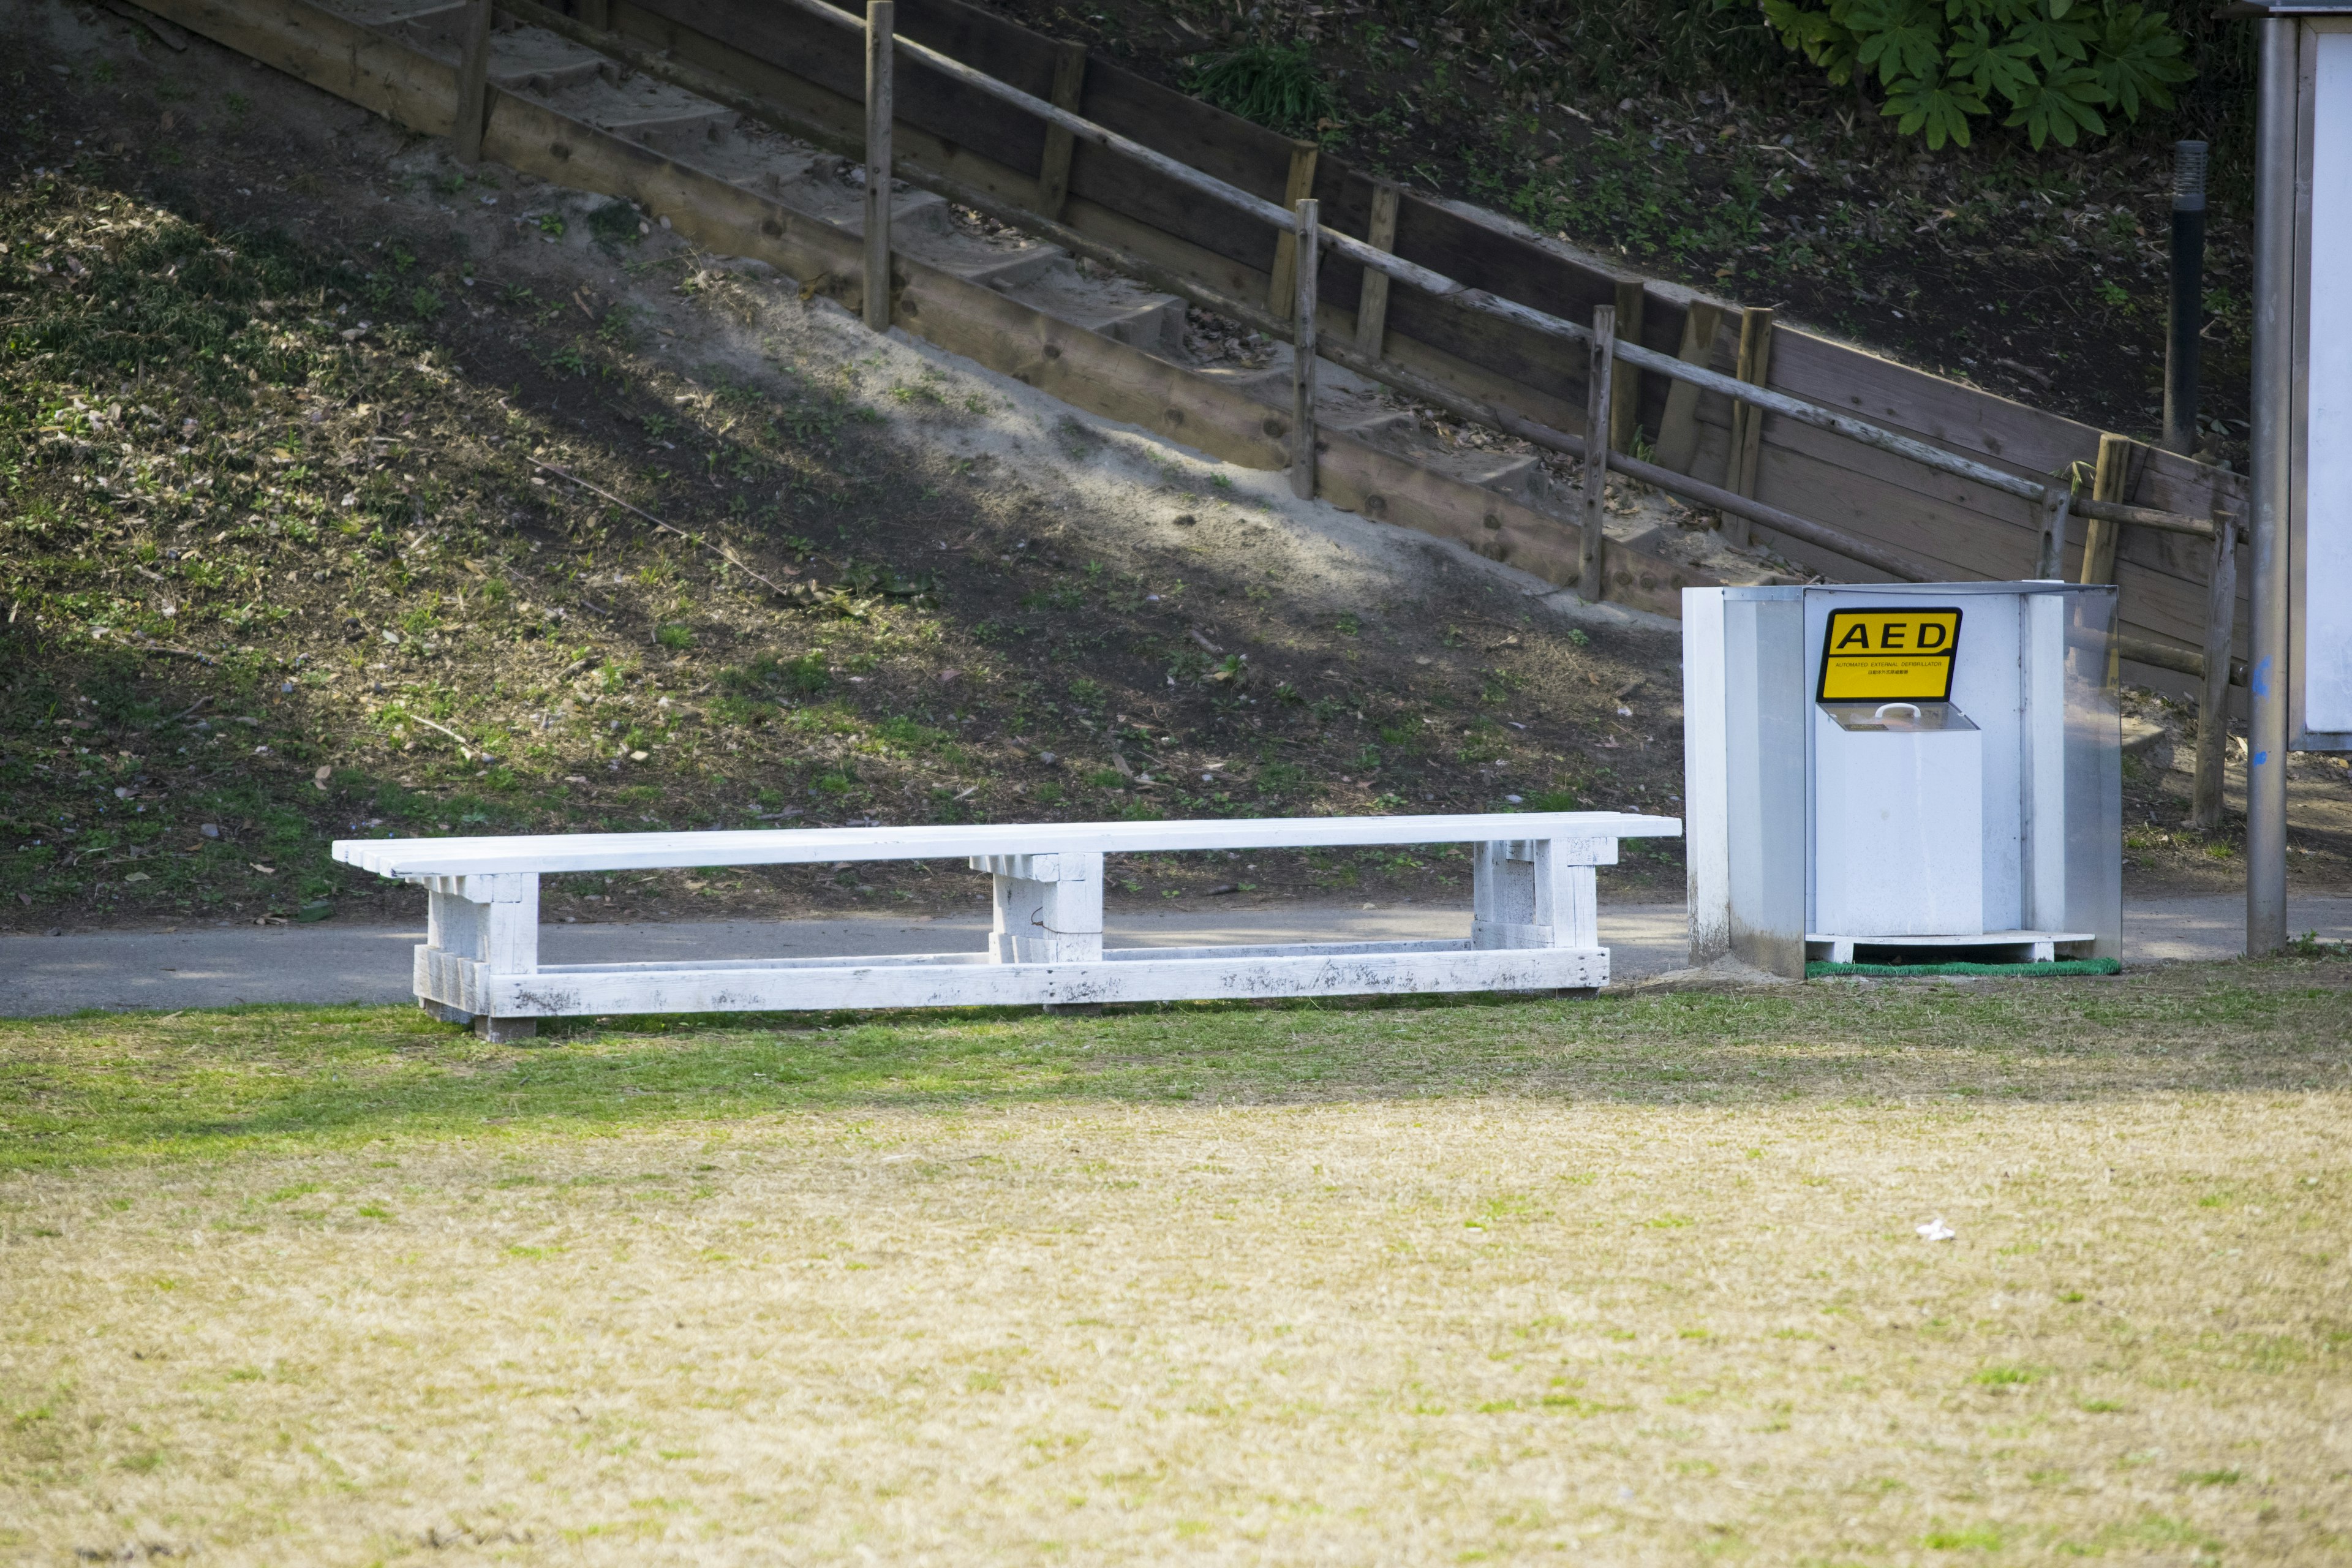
[{"x": 1533, "y": 917}]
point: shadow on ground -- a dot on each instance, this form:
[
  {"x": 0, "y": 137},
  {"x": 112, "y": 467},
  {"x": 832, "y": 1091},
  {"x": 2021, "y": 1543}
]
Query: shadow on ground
[{"x": 103, "y": 1087}]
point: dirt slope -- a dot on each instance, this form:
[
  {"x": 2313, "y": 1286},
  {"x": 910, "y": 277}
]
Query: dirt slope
[{"x": 303, "y": 421}]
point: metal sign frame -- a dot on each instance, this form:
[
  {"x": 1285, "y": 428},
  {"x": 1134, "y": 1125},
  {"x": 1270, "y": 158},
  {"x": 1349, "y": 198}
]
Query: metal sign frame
[
  {"x": 2319, "y": 519},
  {"x": 2289, "y": 574}
]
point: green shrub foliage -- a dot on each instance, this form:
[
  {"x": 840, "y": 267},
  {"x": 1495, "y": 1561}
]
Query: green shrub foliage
[
  {"x": 1279, "y": 86},
  {"x": 2061, "y": 68}
]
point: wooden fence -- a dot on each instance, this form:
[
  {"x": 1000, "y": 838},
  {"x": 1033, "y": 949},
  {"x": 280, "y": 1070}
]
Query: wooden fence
[{"x": 1946, "y": 527}]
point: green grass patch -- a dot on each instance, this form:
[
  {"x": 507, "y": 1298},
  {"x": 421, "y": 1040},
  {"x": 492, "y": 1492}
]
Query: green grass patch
[{"x": 96, "y": 1087}]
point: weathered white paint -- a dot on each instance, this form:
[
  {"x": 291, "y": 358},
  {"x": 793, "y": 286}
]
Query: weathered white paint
[
  {"x": 1536, "y": 922},
  {"x": 1537, "y": 892},
  {"x": 1048, "y": 907},
  {"x": 475, "y": 926},
  {"x": 1165, "y": 975}
]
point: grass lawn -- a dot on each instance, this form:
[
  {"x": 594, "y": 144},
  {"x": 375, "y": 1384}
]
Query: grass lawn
[{"x": 1634, "y": 1281}]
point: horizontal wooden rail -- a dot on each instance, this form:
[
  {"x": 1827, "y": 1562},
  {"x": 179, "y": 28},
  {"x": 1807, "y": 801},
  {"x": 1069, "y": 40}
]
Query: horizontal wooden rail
[
  {"x": 2165, "y": 655},
  {"x": 2144, "y": 517}
]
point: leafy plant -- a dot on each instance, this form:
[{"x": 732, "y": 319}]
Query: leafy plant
[
  {"x": 768, "y": 676},
  {"x": 2060, "y": 67},
  {"x": 870, "y": 577},
  {"x": 1279, "y": 86},
  {"x": 1282, "y": 778},
  {"x": 908, "y": 734},
  {"x": 615, "y": 223}
]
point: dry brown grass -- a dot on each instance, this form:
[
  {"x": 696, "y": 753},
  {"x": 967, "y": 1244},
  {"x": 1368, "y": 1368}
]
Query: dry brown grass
[{"x": 1432, "y": 1330}]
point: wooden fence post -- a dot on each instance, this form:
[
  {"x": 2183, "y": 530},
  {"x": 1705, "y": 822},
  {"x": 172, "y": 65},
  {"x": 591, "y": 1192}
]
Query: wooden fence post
[
  {"x": 1591, "y": 585},
  {"x": 2213, "y": 704},
  {"x": 1678, "y": 427},
  {"x": 1747, "y": 420},
  {"x": 1372, "y": 305},
  {"x": 881, "y": 24},
  {"x": 1309, "y": 233},
  {"x": 1625, "y": 412},
  {"x": 1295, "y": 189},
  {"x": 473, "y": 84},
  {"x": 2109, "y": 480},
  {"x": 2049, "y": 555},
  {"x": 1054, "y": 170}
]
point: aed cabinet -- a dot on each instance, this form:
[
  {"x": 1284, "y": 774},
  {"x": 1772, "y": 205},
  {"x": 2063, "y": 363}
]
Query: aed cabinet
[{"x": 1892, "y": 771}]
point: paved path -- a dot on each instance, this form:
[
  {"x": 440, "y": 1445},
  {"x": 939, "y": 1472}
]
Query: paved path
[
  {"x": 2215, "y": 926},
  {"x": 214, "y": 967}
]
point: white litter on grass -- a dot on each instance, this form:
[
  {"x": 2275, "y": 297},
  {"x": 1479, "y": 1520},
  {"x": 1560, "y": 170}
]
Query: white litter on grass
[{"x": 1937, "y": 1230}]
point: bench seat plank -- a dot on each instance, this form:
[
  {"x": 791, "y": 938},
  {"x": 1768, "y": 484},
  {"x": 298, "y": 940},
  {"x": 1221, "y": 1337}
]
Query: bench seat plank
[{"x": 555, "y": 853}]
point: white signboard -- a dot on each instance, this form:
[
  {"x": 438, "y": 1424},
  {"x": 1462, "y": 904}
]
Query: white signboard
[{"x": 2324, "y": 616}]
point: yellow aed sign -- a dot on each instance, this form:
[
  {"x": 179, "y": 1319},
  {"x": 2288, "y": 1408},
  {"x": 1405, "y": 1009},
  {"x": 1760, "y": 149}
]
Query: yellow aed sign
[{"x": 1889, "y": 656}]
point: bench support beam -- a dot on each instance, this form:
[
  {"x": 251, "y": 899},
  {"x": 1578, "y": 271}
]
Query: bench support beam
[
  {"x": 1537, "y": 892},
  {"x": 476, "y": 928},
  {"x": 1048, "y": 907}
]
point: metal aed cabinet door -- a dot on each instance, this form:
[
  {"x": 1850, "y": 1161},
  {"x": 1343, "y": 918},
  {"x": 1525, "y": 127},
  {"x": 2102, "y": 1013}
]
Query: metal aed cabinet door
[{"x": 1898, "y": 831}]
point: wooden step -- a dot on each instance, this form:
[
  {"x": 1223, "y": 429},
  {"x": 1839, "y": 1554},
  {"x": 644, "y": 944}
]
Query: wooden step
[
  {"x": 387, "y": 13},
  {"x": 540, "y": 63},
  {"x": 1011, "y": 269}
]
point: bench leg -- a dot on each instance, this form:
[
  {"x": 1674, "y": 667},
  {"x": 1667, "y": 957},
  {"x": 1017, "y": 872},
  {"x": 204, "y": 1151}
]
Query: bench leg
[
  {"x": 1049, "y": 907},
  {"x": 1537, "y": 892},
  {"x": 478, "y": 929}
]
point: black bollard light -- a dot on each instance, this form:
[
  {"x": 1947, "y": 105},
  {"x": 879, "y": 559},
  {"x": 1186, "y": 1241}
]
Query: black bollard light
[{"x": 2187, "y": 313}]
